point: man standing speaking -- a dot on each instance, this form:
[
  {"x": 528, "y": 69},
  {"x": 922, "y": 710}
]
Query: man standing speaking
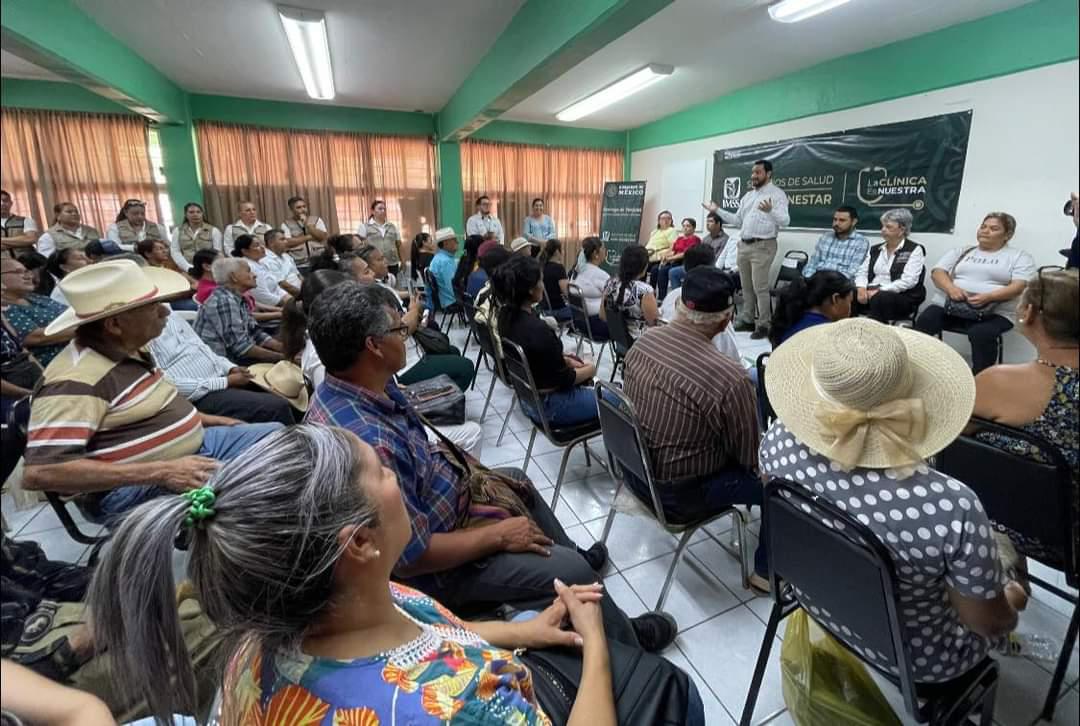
[{"x": 762, "y": 212}]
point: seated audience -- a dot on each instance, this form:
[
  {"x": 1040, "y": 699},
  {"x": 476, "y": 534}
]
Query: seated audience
[
  {"x": 200, "y": 271},
  {"x": 305, "y": 237},
  {"x": 831, "y": 388},
  {"x": 132, "y": 226},
  {"x": 212, "y": 382},
  {"x": 468, "y": 435},
  {"x": 105, "y": 423},
  {"x": 36, "y": 264},
  {"x": 248, "y": 223},
  {"x": 1041, "y": 397},
  {"x": 562, "y": 379},
  {"x": 95, "y": 251},
  {"x": 155, "y": 253},
  {"x": 522, "y": 246},
  {"x": 697, "y": 411},
  {"x": 29, "y": 313},
  {"x": 980, "y": 285},
  {"x": 17, "y": 233},
  {"x": 337, "y": 246},
  {"x": 702, "y": 256},
  {"x": 443, "y": 266},
  {"x": 380, "y": 270},
  {"x": 673, "y": 261},
  {"x": 344, "y": 641},
  {"x": 843, "y": 249},
  {"x": 60, "y": 263},
  {"x": 225, "y": 323},
  {"x": 555, "y": 280},
  {"x": 192, "y": 235},
  {"x": 592, "y": 279},
  {"x": 487, "y": 303},
  {"x": 267, "y": 292},
  {"x": 422, "y": 253},
  {"x": 824, "y": 298},
  {"x": 629, "y": 292},
  {"x": 890, "y": 279},
  {"x": 478, "y": 278},
  {"x": 381, "y": 233},
  {"x": 356, "y": 267},
  {"x": 67, "y": 230},
  {"x": 280, "y": 264},
  {"x": 467, "y": 263},
  {"x": 662, "y": 238},
  {"x": 717, "y": 240},
  {"x": 19, "y": 373}
]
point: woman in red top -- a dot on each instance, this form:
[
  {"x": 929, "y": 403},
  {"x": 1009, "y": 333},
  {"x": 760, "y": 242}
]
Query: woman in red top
[{"x": 684, "y": 242}]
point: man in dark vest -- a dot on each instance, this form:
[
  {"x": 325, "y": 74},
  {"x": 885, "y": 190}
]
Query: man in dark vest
[{"x": 19, "y": 233}]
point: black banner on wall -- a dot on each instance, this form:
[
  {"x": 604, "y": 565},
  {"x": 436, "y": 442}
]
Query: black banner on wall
[
  {"x": 620, "y": 217},
  {"x": 917, "y": 165}
]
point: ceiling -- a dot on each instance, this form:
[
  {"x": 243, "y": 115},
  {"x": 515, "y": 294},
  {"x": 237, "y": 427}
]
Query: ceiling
[
  {"x": 413, "y": 54},
  {"x": 718, "y": 46}
]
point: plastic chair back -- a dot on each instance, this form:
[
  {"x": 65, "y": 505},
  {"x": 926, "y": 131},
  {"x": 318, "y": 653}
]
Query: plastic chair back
[
  {"x": 521, "y": 380},
  {"x": 617, "y": 328},
  {"x": 790, "y": 270}
]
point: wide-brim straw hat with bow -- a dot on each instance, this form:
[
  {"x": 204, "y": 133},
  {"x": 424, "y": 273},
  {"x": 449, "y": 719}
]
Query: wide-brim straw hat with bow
[{"x": 865, "y": 394}]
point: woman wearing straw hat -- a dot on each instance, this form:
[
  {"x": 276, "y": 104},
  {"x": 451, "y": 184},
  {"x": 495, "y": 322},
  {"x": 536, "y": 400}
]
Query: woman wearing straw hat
[{"x": 860, "y": 407}]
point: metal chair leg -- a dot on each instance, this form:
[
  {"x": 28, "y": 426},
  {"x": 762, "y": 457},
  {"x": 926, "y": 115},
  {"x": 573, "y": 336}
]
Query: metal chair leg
[
  {"x": 1062, "y": 665},
  {"x": 562, "y": 471},
  {"x": 588, "y": 459},
  {"x": 491, "y": 390},
  {"x": 762, "y": 661},
  {"x": 479, "y": 358},
  {"x": 683, "y": 542},
  {"x": 611, "y": 513},
  {"x": 737, "y": 548},
  {"x": 509, "y": 411},
  {"x": 468, "y": 337},
  {"x": 528, "y": 452}
]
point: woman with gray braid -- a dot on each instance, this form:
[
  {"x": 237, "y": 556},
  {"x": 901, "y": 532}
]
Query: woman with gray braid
[{"x": 291, "y": 550}]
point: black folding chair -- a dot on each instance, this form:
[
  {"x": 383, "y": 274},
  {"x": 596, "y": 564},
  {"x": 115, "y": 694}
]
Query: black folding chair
[
  {"x": 566, "y": 437},
  {"x": 763, "y": 396},
  {"x": 1043, "y": 512},
  {"x": 489, "y": 351},
  {"x": 447, "y": 312},
  {"x": 839, "y": 567},
  {"x": 545, "y": 305},
  {"x": 962, "y": 330},
  {"x": 628, "y": 453},
  {"x": 791, "y": 267},
  {"x": 465, "y": 300},
  {"x": 579, "y": 323},
  {"x": 621, "y": 340}
]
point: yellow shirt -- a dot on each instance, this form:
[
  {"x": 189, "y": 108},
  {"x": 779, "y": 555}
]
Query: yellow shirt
[{"x": 660, "y": 240}]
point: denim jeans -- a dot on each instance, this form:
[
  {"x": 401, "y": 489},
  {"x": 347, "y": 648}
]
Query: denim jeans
[
  {"x": 223, "y": 443},
  {"x": 568, "y": 407},
  {"x": 676, "y": 277}
]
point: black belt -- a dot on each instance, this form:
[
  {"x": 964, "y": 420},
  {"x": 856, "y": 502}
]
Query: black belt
[{"x": 752, "y": 240}]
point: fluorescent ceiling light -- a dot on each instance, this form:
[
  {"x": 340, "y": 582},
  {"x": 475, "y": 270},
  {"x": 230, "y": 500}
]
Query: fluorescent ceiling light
[
  {"x": 617, "y": 91},
  {"x": 792, "y": 11},
  {"x": 306, "y": 31}
]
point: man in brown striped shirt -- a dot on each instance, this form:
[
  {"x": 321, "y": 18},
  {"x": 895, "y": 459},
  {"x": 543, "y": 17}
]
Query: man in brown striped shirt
[
  {"x": 697, "y": 409},
  {"x": 105, "y": 423}
]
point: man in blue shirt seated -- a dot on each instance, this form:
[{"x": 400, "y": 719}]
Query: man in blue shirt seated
[
  {"x": 360, "y": 338},
  {"x": 843, "y": 249},
  {"x": 444, "y": 265}
]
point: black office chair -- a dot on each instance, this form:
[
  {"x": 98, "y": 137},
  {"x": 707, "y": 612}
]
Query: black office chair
[
  {"x": 1043, "y": 511},
  {"x": 565, "y": 438},
  {"x": 763, "y": 396},
  {"x": 628, "y": 453},
  {"x": 447, "y": 312},
  {"x": 579, "y": 323},
  {"x": 621, "y": 340},
  {"x": 842, "y": 568}
]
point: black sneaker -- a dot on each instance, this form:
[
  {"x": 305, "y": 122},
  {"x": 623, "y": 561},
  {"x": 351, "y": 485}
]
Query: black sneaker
[
  {"x": 743, "y": 326},
  {"x": 655, "y": 631},
  {"x": 596, "y": 556},
  {"x": 759, "y": 333}
]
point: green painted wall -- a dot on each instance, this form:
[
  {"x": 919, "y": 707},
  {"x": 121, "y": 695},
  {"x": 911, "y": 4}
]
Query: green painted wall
[
  {"x": 451, "y": 211},
  {"x": 281, "y": 114},
  {"x": 1030, "y": 36},
  {"x": 550, "y": 135},
  {"x": 54, "y": 96},
  {"x": 179, "y": 157}
]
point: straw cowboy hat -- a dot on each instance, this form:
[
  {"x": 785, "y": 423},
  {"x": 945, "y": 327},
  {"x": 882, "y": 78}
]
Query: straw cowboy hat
[
  {"x": 520, "y": 243},
  {"x": 109, "y": 288},
  {"x": 444, "y": 233},
  {"x": 865, "y": 394},
  {"x": 283, "y": 378}
]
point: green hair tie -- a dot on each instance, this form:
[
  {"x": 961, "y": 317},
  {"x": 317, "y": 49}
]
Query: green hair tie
[{"x": 202, "y": 505}]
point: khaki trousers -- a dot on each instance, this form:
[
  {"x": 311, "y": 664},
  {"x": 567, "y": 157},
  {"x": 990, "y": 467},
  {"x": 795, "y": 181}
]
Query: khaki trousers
[{"x": 755, "y": 261}]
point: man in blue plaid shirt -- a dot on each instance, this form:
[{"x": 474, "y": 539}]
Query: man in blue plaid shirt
[
  {"x": 359, "y": 336},
  {"x": 843, "y": 249}
]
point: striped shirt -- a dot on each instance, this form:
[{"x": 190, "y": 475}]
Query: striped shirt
[
  {"x": 188, "y": 362},
  {"x": 696, "y": 407},
  {"x": 117, "y": 411}
]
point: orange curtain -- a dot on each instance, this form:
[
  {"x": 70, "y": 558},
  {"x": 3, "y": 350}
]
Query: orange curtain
[
  {"x": 339, "y": 174},
  {"x": 95, "y": 161},
  {"x": 570, "y": 181}
]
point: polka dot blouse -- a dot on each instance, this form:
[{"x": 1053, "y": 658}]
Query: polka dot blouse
[{"x": 938, "y": 535}]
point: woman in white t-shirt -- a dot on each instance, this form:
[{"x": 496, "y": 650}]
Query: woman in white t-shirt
[
  {"x": 590, "y": 278},
  {"x": 979, "y": 288}
]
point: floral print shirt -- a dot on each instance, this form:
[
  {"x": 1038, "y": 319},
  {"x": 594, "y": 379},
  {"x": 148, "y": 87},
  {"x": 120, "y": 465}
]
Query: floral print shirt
[{"x": 447, "y": 675}]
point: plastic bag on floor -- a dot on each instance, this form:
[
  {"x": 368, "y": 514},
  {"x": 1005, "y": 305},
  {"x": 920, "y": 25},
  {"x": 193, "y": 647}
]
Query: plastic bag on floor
[{"x": 824, "y": 684}]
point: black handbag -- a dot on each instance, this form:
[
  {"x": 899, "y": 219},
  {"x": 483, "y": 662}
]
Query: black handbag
[
  {"x": 962, "y": 308},
  {"x": 438, "y": 400},
  {"x": 434, "y": 342}
]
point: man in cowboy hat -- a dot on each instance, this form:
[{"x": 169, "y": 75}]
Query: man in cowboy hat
[
  {"x": 444, "y": 265},
  {"x": 105, "y": 423},
  {"x": 697, "y": 409}
]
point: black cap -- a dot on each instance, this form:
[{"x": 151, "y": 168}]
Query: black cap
[{"x": 707, "y": 290}]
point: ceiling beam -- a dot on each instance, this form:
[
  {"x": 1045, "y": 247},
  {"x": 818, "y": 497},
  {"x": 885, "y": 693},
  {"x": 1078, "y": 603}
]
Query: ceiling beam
[
  {"x": 61, "y": 38},
  {"x": 544, "y": 40}
]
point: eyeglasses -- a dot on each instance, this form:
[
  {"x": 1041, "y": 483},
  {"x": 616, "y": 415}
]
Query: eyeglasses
[
  {"x": 402, "y": 330},
  {"x": 1042, "y": 286}
]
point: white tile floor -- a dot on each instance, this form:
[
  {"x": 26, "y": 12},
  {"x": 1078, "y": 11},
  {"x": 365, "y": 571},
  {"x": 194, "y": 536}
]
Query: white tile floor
[{"x": 721, "y": 625}]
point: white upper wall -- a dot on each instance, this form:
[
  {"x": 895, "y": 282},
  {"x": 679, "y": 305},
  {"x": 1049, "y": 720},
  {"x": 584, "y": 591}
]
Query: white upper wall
[{"x": 1022, "y": 159}]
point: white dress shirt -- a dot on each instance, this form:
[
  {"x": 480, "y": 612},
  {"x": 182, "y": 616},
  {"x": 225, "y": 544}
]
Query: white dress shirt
[
  {"x": 483, "y": 224},
  {"x": 754, "y": 223},
  {"x": 187, "y": 361},
  {"x": 46, "y": 245},
  {"x": 178, "y": 256},
  {"x": 256, "y": 230},
  {"x": 267, "y": 292},
  {"x": 728, "y": 259},
  {"x": 880, "y": 276},
  {"x": 282, "y": 267}
]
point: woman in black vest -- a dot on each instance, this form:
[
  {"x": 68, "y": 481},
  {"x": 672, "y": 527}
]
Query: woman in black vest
[{"x": 890, "y": 282}]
